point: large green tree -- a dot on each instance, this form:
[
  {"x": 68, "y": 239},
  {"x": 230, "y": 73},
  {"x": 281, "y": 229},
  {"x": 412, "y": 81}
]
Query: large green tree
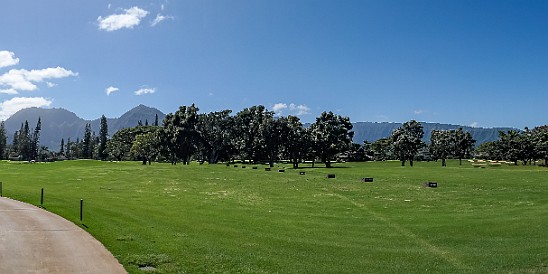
[
  {"x": 331, "y": 134},
  {"x": 119, "y": 146},
  {"x": 382, "y": 149},
  {"x": 180, "y": 134},
  {"x": 540, "y": 141},
  {"x": 215, "y": 132},
  {"x": 35, "y": 141},
  {"x": 509, "y": 143},
  {"x": 442, "y": 145},
  {"x": 407, "y": 140},
  {"x": 3, "y": 140},
  {"x": 249, "y": 124},
  {"x": 87, "y": 142},
  {"x": 24, "y": 143},
  {"x": 297, "y": 141},
  {"x": 527, "y": 147},
  {"x": 103, "y": 138},
  {"x": 146, "y": 146},
  {"x": 463, "y": 144}
]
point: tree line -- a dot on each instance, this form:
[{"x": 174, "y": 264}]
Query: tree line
[
  {"x": 257, "y": 135},
  {"x": 527, "y": 146}
]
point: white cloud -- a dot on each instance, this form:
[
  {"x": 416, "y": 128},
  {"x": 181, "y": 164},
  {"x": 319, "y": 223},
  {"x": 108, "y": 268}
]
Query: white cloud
[
  {"x": 293, "y": 109},
  {"x": 419, "y": 111},
  {"x": 277, "y": 108},
  {"x": 11, "y": 106},
  {"x": 50, "y": 84},
  {"x": 109, "y": 5},
  {"x": 111, "y": 89},
  {"x": 143, "y": 91},
  {"x": 9, "y": 91},
  {"x": 159, "y": 18},
  {"x": 474, "y": 124},
  {"x": 129, "y": 19},
  {"x": 300, "y": 109},
  {"x": 22, "y": 79},
  {"x": 162, "y": 6},
  {"x": 7, "y": 59}
]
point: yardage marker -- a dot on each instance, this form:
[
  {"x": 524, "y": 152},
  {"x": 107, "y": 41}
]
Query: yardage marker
[{"x": 444, "y": 254}]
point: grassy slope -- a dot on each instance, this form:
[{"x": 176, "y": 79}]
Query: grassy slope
[{"x": 214, "y": 219}]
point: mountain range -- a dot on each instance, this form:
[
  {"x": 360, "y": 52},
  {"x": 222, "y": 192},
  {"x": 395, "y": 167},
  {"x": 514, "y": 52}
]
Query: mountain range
[{"x": 60, "y": 124}]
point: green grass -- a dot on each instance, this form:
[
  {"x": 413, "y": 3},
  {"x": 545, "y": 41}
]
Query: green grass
[{"x": 218, "y": 219}]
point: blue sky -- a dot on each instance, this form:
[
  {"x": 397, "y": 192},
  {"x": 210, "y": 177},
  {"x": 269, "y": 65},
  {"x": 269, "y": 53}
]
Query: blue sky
[{"x": 480, "y": 63}]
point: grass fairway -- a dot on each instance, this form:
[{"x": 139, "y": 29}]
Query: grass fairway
[{"x": 214, "y": 219}]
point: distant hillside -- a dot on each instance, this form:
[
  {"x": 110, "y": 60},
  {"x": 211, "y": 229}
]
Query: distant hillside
[
  {"x": 60, "y": 123},
  {"x": 370, "y": 131}
]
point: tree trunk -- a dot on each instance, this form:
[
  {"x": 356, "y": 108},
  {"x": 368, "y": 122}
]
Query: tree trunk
[
  {"x": 327, "y": 164},
  {"x": 213, "y": 157},
  {"x": 295, "y": 163},
  {"x": 443, "y": 163},
  {"x": 411, "y": 162},
  {"x": 402, "y": 162}
]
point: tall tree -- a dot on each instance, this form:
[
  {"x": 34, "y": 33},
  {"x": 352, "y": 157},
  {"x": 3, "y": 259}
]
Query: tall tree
[
  {"x": 35, "y": 141},
  {"x": 527, "y": 146},
  {"x": 297, "y": 141},
  {"x": 156, "y": 119},
  {"x": 87, "y": 143},
  {"x": 442, "y": 145},
  {"x": 24, "y": 144},
  {"x": 248, "y": 127},
  {"x": 3, "y": 140},
  {"x": 407, "y": 140},
  {"x": 464, "y": 144},
  {"x": 509, "y": 142},
  {"x": 62, "y": 149},
  {"x": 540, "y": 140},
  {"x": 273, "y": 134},
  {"x": 331, "y": 134},
  {"x": 216, "y": 131},
  {"x": 103, "y": 138},
  {"x": 180, "y": 134}
]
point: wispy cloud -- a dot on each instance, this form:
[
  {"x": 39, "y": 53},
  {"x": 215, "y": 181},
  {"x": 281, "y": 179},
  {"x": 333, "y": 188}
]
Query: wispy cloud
[
  {"x": 159, "y": 18},
  {"x": 50, "y": 84},
  {"x": 144, "y": 91},
  {"x": 11, "y": 106},
  {"x": 279, "y": 107},
  {"x": 25, "y": 80},
  {"x": 7, "y": 58},
  {"x": 129, "y": 19},
  {"x": 111, "y": 89},
  {"x": 8, "y": 91},
  {"x": 419, "y": 111},
  {"x": 474, "y": 124},
  {"x": 293, "y": 109}
]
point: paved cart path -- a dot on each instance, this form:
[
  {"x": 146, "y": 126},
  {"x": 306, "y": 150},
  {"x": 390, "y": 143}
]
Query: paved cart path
[{"x": 33, "y": 240}]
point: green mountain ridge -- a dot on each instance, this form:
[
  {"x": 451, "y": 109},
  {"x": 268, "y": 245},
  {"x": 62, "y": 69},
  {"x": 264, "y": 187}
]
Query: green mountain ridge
[{"x": 58, "y": 123}]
